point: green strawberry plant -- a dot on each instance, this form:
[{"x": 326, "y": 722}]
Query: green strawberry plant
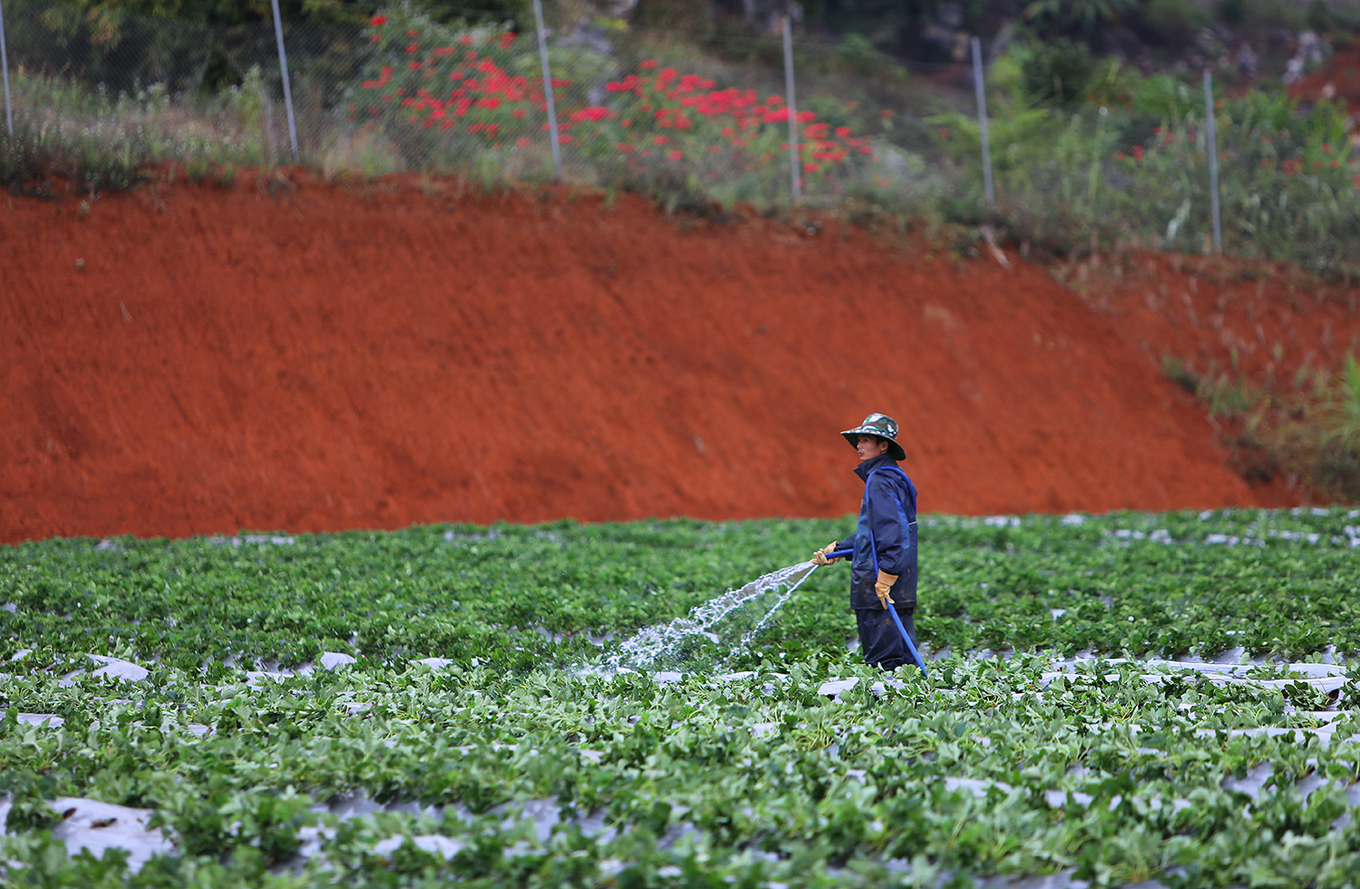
[{"x": 517, "y": 759}]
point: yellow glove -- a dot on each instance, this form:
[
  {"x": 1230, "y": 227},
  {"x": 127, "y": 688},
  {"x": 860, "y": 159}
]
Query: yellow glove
[
  {"x": 819, "y": 557},
  {"x": 883, "y": 586}
]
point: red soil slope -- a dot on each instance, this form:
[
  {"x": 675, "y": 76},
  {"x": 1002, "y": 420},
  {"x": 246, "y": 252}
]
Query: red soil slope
[{"x": 191, "y": 359}]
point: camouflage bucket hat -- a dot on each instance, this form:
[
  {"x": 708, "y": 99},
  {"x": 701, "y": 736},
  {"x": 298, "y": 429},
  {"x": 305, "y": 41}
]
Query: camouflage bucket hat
[{"x": 882, "y": 426}]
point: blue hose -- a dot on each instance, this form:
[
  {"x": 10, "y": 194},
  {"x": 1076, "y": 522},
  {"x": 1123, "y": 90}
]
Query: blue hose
[{"x": 911, "y": 646}]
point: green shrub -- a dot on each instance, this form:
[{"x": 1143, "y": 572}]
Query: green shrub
[
  {"x": 1077, "y": 17},
  {"x": 1311, "y": 432},
  {"x": 1060, "y": 70}
]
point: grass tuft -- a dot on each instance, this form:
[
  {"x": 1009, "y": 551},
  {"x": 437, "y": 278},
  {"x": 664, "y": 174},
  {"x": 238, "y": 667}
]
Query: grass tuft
[{"x": 1309, "y": 435}]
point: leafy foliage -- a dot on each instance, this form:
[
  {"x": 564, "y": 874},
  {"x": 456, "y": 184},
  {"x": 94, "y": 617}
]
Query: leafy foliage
[
  {"x": 516, "y": 763},
  {"x": 1311, "y": 431},
  {"x": 1080, "y": 17},
  {"x": 1094, "y": 156},
  {"x": 515, "y": 596}
]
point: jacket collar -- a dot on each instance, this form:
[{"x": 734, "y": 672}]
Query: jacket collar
[{"x": 868, "y": 466}]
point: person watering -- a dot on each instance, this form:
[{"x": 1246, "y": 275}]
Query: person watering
[{"x": 883, "y": 560}]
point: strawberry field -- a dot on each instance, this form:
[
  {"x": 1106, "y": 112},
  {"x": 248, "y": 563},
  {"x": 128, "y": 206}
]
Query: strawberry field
[{"x": 1155, "y": 698}]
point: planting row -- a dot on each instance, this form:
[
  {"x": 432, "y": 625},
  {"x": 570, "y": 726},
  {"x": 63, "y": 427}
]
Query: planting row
[
  {"x": 1237, "y": 584},
  {"x": 402, "y": 708},
  {"x": 1100, "y": 772}
]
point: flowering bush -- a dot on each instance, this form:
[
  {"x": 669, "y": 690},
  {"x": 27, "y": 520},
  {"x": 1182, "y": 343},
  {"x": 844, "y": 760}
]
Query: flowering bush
[
  {"x": 663, "y": 113},
  {"x": 1136, "y": 171},
  {"x": 441, "y": 98},
  {"x": 441, "y": 94},
  {"x": 1282, "y": 189}
]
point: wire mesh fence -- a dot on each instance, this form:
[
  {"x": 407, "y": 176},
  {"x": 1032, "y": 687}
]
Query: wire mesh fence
[{"x": 642, "y": 109}]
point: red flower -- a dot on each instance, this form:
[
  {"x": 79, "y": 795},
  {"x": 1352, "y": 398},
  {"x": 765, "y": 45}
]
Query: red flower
[
  {"x": 647, "y": 64},
  {"x": 378, "y": 21},
  {"x": 594, "y": 114},
  {"x": 676, "y": 155}
]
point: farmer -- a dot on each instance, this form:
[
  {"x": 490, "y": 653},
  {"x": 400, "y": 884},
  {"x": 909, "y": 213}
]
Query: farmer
[{"x": 883, "y": 564}]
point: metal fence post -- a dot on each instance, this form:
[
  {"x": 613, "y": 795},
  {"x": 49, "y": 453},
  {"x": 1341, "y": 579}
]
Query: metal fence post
[
  {"x": 1212, "y": 149},
  {"x": 980, "y": 88},
  {"x": 792, "y": 104},
  {"x": 287, "y": 88},
  {"x": 548, "y": 89},
  {"x": 4, "y": 67}
]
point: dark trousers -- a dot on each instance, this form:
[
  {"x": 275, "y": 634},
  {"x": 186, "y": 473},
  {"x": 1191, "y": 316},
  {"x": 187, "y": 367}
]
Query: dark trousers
[{"x": 880, "y": 640}]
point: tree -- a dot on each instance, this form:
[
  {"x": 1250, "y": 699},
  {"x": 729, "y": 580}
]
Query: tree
[{"x": 1077, "y": 18}]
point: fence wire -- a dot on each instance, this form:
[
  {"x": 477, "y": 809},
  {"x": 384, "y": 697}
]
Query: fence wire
[{"x": 641, "y": 109}]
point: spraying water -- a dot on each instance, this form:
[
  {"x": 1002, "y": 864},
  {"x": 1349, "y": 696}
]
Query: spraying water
[{"x": 716, "y": 631}]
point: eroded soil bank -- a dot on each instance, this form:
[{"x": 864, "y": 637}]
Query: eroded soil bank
[{"x": 300, "y": 356}]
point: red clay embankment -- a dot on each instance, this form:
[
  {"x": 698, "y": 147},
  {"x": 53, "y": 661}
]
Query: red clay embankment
[{"x": 190, "y": 359}]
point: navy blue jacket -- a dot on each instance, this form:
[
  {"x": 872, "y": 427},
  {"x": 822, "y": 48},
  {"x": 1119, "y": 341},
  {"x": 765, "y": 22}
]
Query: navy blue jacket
[{"x": 888, "y": 512}]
